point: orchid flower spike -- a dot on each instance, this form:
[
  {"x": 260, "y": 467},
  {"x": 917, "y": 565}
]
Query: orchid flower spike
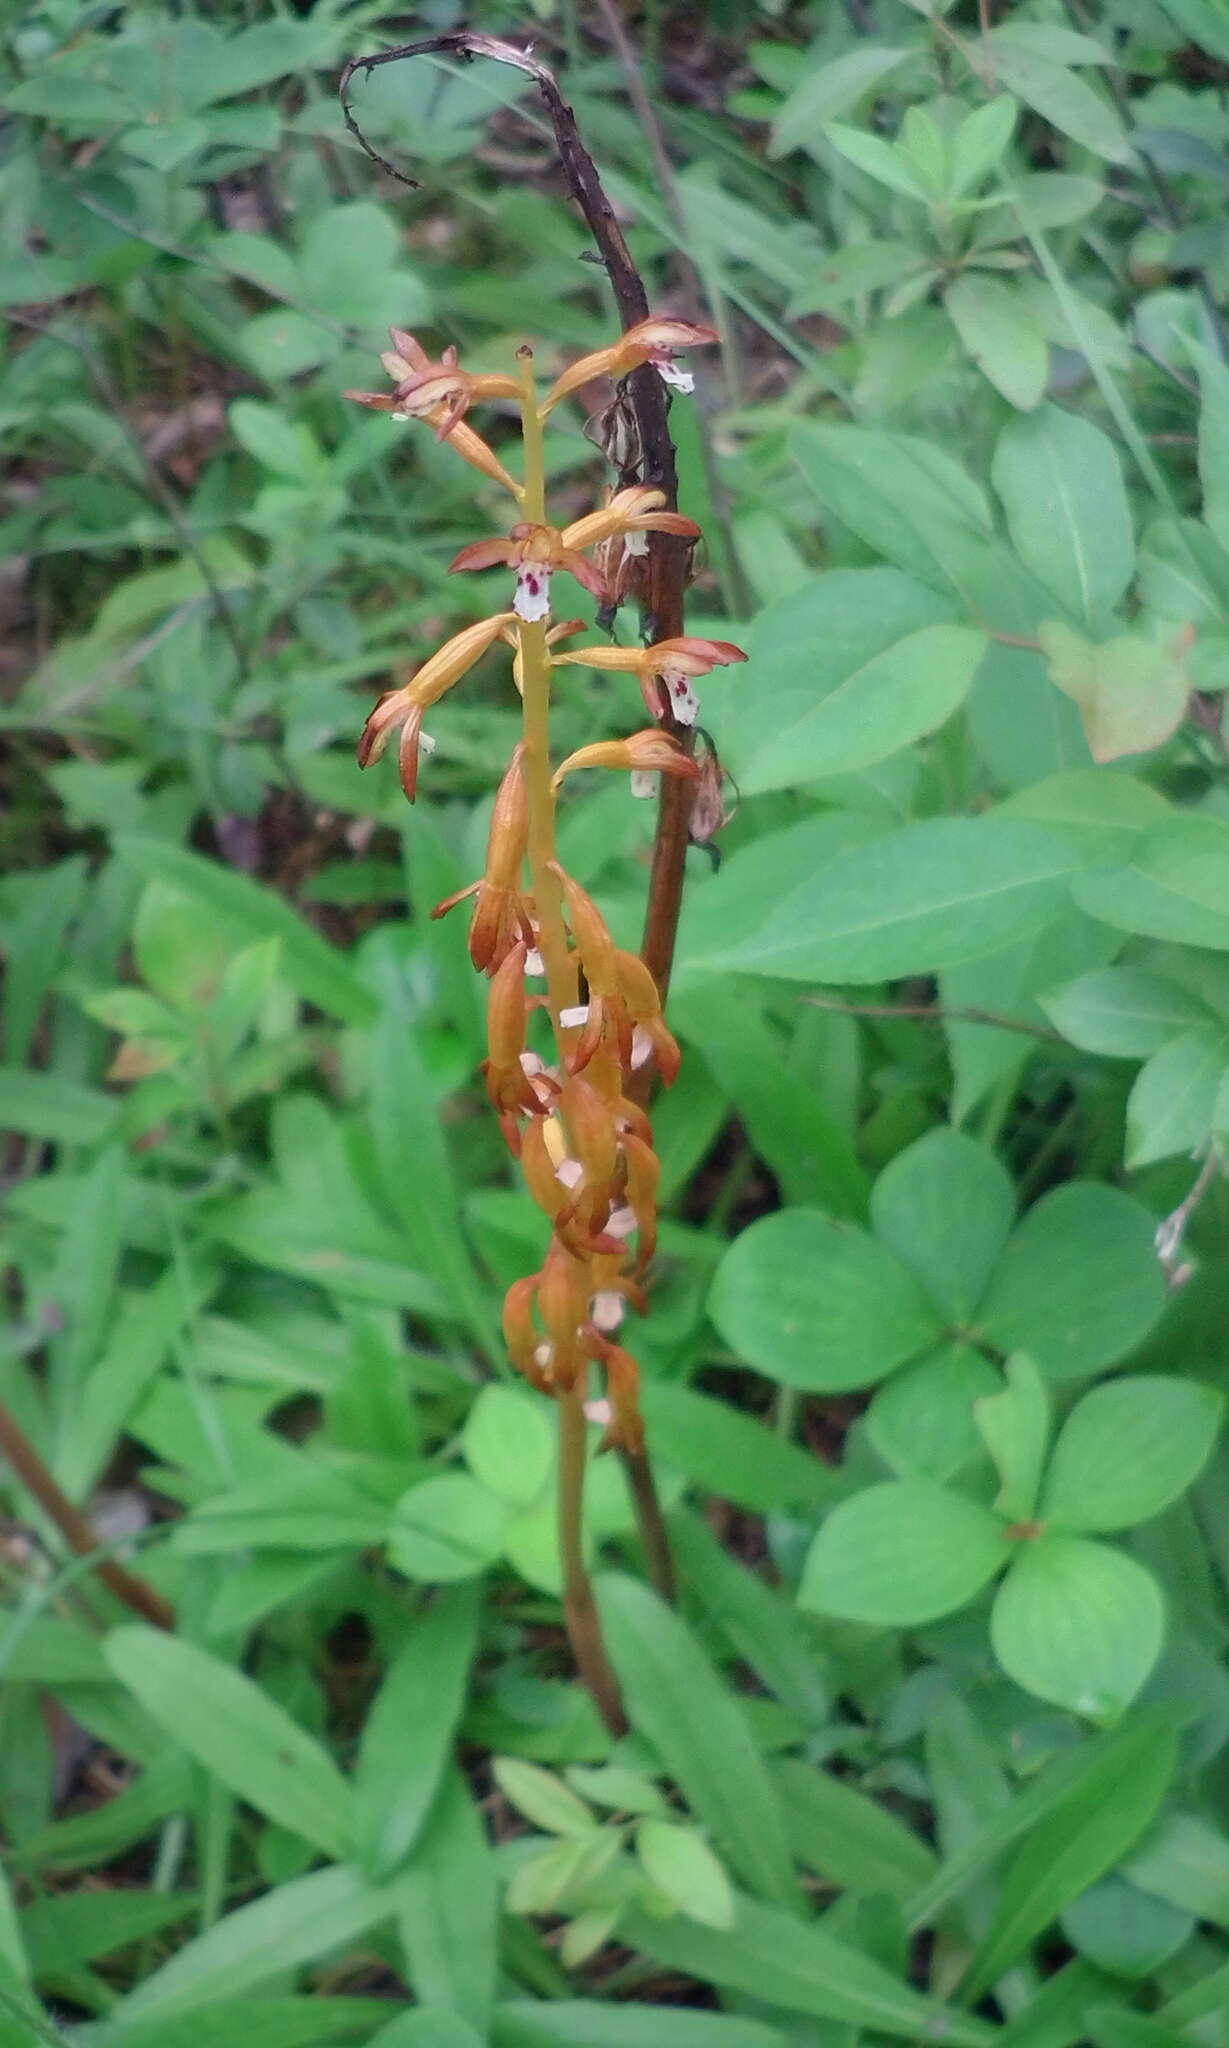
[
  {"x": 440, "y": 393},
  {"x": 402, "y": 709},
  {"x": 665, "y": 670},
  {"x": 536, "y": 551}
]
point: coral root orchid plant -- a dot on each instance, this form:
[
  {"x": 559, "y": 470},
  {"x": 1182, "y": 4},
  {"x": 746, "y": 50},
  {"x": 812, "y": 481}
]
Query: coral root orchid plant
[{"x": 567, "y": 1105}]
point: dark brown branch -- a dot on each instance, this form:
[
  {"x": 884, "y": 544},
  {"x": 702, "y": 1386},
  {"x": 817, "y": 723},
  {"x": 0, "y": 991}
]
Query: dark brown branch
[{"x": 76, "y": 1530}]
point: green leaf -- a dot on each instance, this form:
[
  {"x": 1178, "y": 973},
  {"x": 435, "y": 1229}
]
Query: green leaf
[
  {"x": 447, "y": 1909},
  {"x": 257, "y": 2022},
  {"x": 1078, "y": 1624},
  {"x": 1131, "y": 693},
  {"x": 885, "y": 162},
  {"x": 678, "y": 1703},
  {"x": 319, "y": 973},
  {"x": 1062, "y": 489},
  {"x": 1185, "y": 1861},
  {"x": 509, "y": 1444},
  {"x": 847, "y": 1837},
  {"x": 279, "y": 444},
  {"x": 1001, "y": 333},
  {"x": 300, "y": 1920},
  {"x": 1174, "y": 886},
  {"x": 1128, "y": 1450},
  {"x": 726, "y": 1451},
  {"x": 904, "y": 496},
  {"x": 1172, "y": 1106},
  {"x": 1015, "y": 1428},
  {"x": 585, "y": 2023},
  {"x": 901, "y": 1553},
  {"x": 945, "y": 1206},
  {"x": 1109, "y": 2026},
  {"x": 427, "y": 2026},
  {"x": 829, "y": 90},
  {"x": 818, "y": 1304},
  {"x": 844, "y": 671},
  {"x": 924, "y": 898},
  {"x": 921, "y": 1420},
  {"x": 62, "y": 1933},
  {"x": 448, "y": 1527},
  {"x": 761, "y": 1624},
  {"x": 682, "y": 1866},
  {"x": 768, "y": 1955},
  {"x": 1079, "y": 1284},
  {"x": 409, "y": 1731},
  {"x": 1087, "y": 1834},
  {"x": 1060, "y": 98},
  {"x": 54, "y": 1109},
  {"x": 542, "y": 1798},
  {"x": 1127, "y": 1012},
  {"x": 1213, "y": 439},
  {"x": 980, "y": 142},
  {"x": 1121, "y": 1929},
  {"x": 237, "y": 1731}
]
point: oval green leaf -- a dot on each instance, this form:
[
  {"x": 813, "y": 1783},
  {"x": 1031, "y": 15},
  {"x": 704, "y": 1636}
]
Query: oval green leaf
[
  {"x": 900, "y": 1554},
  {"x": 1078, "y": 1624}
]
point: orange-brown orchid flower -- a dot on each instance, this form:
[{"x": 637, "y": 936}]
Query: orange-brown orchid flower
[
  {"x": 624, "y": 1006},
  {"x": 649, "y": 341},
  {"x": 664, "y": 670},
  {"x": 501, "y": 918},
  {"x": 535, "y": 551},
  {"x": 641, "y": 753},
  {"x": 402, "y": 709},
  {"x": 441, "y": 394}
]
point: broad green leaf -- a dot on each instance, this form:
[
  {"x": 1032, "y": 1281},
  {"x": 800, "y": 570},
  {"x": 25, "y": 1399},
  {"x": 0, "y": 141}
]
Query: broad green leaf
[
  {"x": 1121, "y": 1929},
  {"x": 727, "y": 910},
  {"x": 1174, "y": 886},
  {"x": 447, "y": 1527},
  {"x": 979, "y": 142},
  {"x": 818, "y": 1304},
  {"x": 886, "y": 162},
  {"x": 1102, "y": 1815},
  {"x": 509, "y": 1444},
  {"x": 542, "y": 1798},
  {"x": 677, "y": 1701},
  {"x": 258, "y": 1943},
  {"x": 926, "y": 897},
  {"x": 1078, "y": 1624},
  {"x": 1213, "y": 440},
  {"x": 725, "y": 1451},
  {"x": 585, "y": 2023},
  {"x": 1079, "y": 1284},
  {"x": 278, "y": 443},
  {"x": 1061, "y": 484},
  {"x": 319, "y": 972},
  {"x": 1001, "y": 333},
  {"x": 1061, "y": 98},
  {"x": 427, "y": 2026},
  {"x": 54, "y": 1109},
  {"x": 1101, "y": 817},
  {"x": 1128, "y": 1450},
  {"x": 904, "y": 496},
  {"x": 846, "y": 1836},
  {"x": 829, "y": 90},
  {"x": 447, "y": 1909},
  {"x": 901, "y": 1553},
  {"x": 684, "y": 1869},
  {"x": 921, "y": 1420},
  {"x": 409, "y": 1731},
  {"x": 1132, "y": 693},
  {"x": 844, "y": 672},
  {"x": 1172, "y": 1106},
  {"x": 237, "y": 1731},
  {"x": 802, "y": 1968},
  {"x": 1127, "y": 1012},
  {"x": 945, "y": 1206},
  {"x": 850, "y": 272},
  {"x": 1109, "y": 2026},
  {"x": 1015, "y": 1427},
  {"x": 1185, "y": 1861}
]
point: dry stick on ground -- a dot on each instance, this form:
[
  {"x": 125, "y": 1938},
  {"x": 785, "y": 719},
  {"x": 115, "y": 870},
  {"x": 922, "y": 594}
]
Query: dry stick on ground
[
  {"x": 75, "y": 1528},
  {"x": 651, "y": 461}
]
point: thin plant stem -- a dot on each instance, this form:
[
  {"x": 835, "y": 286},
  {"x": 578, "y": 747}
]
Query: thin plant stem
[
  {"x": 76, "y": 1529},
  {"x": 654, "y": 1536},
  {"x": 579, "y": 1606}
]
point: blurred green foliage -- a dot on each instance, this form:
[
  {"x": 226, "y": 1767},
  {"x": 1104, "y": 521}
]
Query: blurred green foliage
[{"x": 939, "y": 1306}]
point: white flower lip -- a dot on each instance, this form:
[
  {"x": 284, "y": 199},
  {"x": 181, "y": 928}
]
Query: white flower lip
[
  {"x": 620, "y": 1222},
  {"x": 532, "y": 600},
  {"x": 607, "y": 1308},
  {"x": 669, "y": 372},
  {"x": 645, "y": 782},
  {"x": 573, "y": 1019},
  {"x": 683, "y": 700}
]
